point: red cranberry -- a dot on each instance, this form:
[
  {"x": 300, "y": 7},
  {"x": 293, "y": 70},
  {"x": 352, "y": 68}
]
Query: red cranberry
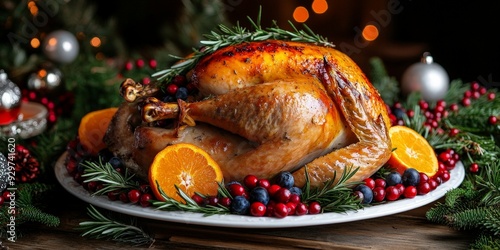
[
  {"x": 273, "y": 189},
  {"x": 370, "y": 182},
  {"x": 445, "y": 176},
  {"x": 491, "y": 96},
  {"x": 225, "y": 201},
  {"x": 301, "y": 209},
  {"x": 423, "y": 105},
  {"x": 257, "y": 209},
  {"x": 424, "y": 188},
  {"x": 379, "y": 182},
  {"x": 1, "y": 201},
  {"x": 433, "y": 183},
  {"x": 444, "y": 156},
  {"x": 112, "y": 196},
  {"x": 474, "y": 167},
  {"x": 466, "y": 102},
  {"x": 129, "y": 66},
  {"x": 280, "y": 210},
  {"x": 92, "y": 186},
  {"x": 314, "y": 208},
  {"x": 423, "y": 178},
  {"x": 410, "y": 192},
  {"x": 391, "y": 193},
  {"x": 270, "y": 208},
  {"x": 295, "y": 198},
  {"x": 212, "y": 201},
  {"x": 139, "y": 63},
  {"x": 492, "y": 120},
  {"x": 145, "y": 200},
  {"x": 378, "y": 194},
  {"x": 467, "y": 93},
  {"x": 291, "y": 207},
  {"x": 454, "y": 107},
  {"x": 134, "y": 195},
  {"x": 400, "y": 187},
  {"x": 410, "y": 113},
  {"x": 475, "y": 86},
  {"x": 236, "y": 189},
  {"x": 172, "y": 89},
  {"x": 152, "y": 64},
  {"x": 198, "y": 199},
  {"x": 123, "y": 197},
  {"x": 250, "y": 181},
  {"x": 454, "y": 132},
  {"x": 264, "y": 183},
  {"x": 283, "y": 195}
]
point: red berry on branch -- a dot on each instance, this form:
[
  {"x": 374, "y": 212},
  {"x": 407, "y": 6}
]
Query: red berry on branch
[
  {"x": 475, "y": 86},
  {"x": 139, "y": 63},
  {"x": 492, "y": 120},
  {"x": 454, "y": 132},
  {"x": 474, "y": 167},
  {"x": 152, "y": 63},
  {"x": 454, "y": 107},
  {"x": 491, "y": 96},
  {"x": 129, "y": 66},
  {"x": 466, "y": 102}
]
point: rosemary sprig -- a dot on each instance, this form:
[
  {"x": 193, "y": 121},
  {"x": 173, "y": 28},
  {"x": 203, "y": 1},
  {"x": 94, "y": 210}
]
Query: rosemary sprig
[
  {"x": 227, "y": 36},
  {"x": 333, "y": 197},
  {"x": 112, "y": 179},
  {"x": 111, "y": 228},
  {"x": 171, "y": 204}
]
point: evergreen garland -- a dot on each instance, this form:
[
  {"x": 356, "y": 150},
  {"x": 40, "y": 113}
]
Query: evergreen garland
[{"x": 475, "y": 204}]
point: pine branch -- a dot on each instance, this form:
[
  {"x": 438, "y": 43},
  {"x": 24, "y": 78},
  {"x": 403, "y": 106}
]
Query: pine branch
[
  {"x": 112, "y": 229},
  {"x": 34, "y": 214},
  {"x": 227, "y": 36},
  {"x": 486, "y": 242},
  {"x": 488, "y": 183},
  {"x": 111, "y": 179}
]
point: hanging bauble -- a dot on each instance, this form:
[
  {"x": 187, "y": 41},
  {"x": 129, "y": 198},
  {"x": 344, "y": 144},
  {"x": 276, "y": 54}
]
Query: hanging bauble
[
  {"x": 61, "y": 46},
  {"x": 426, "y": 77},
  {"x": 45, "y": 79},
  {"x": 4, "y": 172},
  {"x": 10, "y": 100}
]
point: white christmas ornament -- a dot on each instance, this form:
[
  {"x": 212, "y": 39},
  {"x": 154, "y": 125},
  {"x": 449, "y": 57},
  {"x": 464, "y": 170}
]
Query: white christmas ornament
[
  {"x": 61, "y": 46},
  {"x": 426, "y": 77}
]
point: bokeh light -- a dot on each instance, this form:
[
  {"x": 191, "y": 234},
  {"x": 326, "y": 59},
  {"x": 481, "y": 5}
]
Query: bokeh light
[
  {"x": 319, "y": 6},
  {"x": 95, "y": 41},
  {"x": 300, "y": 14},
  {"x": 35, "y": 43},
  {"x": 370, "y": 32}
]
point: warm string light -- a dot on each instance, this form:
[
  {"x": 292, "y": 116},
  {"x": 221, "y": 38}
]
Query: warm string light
[
  {"x": 33, "y": 8},
  {"x": 319, "y": 6}
]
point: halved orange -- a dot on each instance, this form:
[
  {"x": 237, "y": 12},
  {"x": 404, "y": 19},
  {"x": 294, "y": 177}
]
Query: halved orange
[
  {"x": 92, "y": 128},
  {"x": 187, "y": 166},
  {"x": 411, "y": 151}
]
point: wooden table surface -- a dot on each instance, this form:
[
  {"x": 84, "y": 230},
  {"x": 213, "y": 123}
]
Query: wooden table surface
[{"x": 409, "y": 230}]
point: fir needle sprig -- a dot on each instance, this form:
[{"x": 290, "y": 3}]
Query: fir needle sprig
[
  {"x": 112, "y": 180},
  {"x": 112, "y": 229},
  {"x": 333, "y": 197},
  {"x": 227, "y": 36}
]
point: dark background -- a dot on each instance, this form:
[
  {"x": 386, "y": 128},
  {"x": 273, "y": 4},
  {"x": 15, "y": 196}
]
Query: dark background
[{"x": 461, "y": 35}]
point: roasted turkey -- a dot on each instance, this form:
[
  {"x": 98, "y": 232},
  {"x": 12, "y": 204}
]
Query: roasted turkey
[{"x": 261, "y": 108}]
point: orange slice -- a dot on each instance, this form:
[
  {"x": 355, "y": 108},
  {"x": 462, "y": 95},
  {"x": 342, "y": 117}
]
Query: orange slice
[
  {"x": 187, "y": 166},
  {"x": 411, "y": 151},
  {"x": 92, "y": 128}
]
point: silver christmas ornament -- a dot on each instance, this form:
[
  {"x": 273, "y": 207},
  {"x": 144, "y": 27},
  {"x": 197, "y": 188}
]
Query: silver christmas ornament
[
  {"x": 45, "y": 79},
  {"x": 426, "y": 77},
  {"x": 10, "y": 100},
  {"x": 61, "y": 46},
  {"x": 4, "y": 172}
]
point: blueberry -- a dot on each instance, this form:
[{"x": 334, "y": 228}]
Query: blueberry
[
  {"x": 399, "y": 113},
  {"x": 411, "y": 177},
  {"x": 240, "y": 205},
  {"x": 168, "y": 98},
  {"x": 259, "y": 194},
  {"x": 285, "y": 179},
  {"x": 182, "y": 93},
  {"x": 367, "y": 193},
  {"x": 105, "y": 154},
  {"x": 296, "y": 190},
  {"x": 393, "y": 178},
  {"x": 115, "y": 162}
]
